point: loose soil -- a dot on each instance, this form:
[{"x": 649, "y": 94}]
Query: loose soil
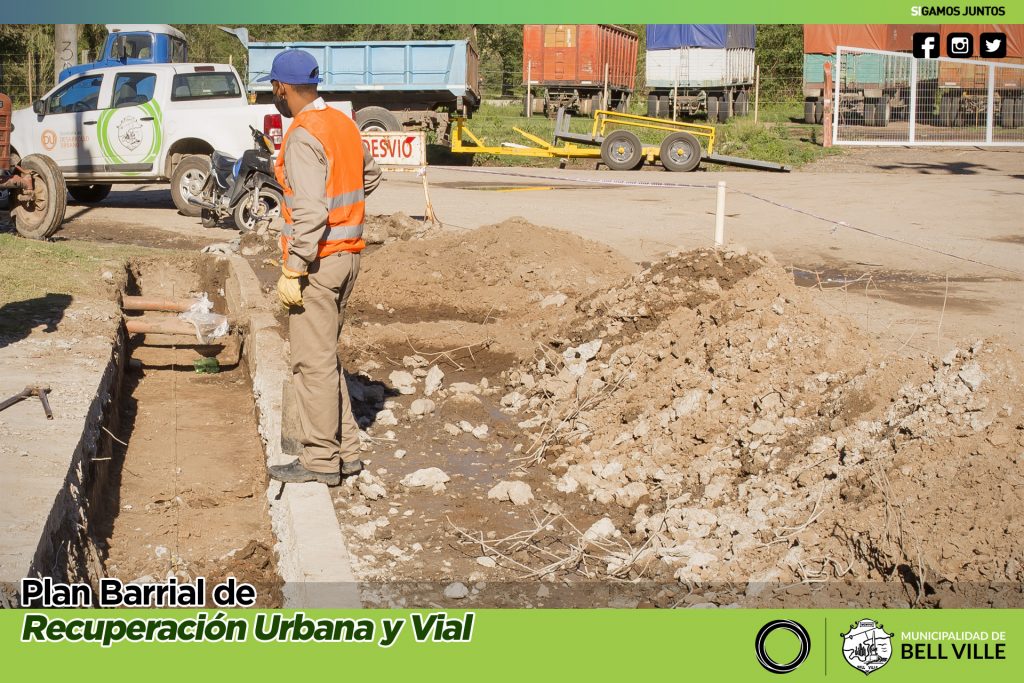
[{"x": 724, "y": 442}]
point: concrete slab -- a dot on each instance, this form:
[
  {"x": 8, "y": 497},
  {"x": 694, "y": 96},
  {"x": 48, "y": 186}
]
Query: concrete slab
[
  {"x": 48, "y": 465},
  {"x": 312, "y": 556}
]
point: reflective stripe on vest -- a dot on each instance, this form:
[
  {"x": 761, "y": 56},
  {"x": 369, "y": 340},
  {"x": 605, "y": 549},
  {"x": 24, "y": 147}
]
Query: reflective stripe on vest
[
  {"x": 342, "y": 232},
  {"x": 336, "y": 202}
]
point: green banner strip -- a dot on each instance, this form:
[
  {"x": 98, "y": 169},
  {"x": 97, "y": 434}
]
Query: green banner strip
[
  {"x": 536, "y": 11},
  {"x": 565, "y": 645}
]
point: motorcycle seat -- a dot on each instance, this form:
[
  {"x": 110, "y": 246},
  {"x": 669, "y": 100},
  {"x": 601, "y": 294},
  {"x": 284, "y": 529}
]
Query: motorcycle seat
[{"x": 223, "y": 168}]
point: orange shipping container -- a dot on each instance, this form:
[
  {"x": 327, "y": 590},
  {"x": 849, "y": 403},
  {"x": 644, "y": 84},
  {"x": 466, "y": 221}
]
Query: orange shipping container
[
  {"x": 576, "y": 54},
  {"x": 822, "y": 39},
  {"x": 975, "y": 76}
]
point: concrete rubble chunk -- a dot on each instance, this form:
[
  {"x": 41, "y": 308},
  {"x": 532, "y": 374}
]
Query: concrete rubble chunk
[
  {"x": 386, "y": 418},
  {"x": 432, "y": 382},
  {"x": 556, "y": 299},
  {"x": 456, "y": 591},
  {"x": 403, "y": 381},
  {"x": 583, "y": 352},
  {"x": 687, "y": 403},
  {"x": 972, "y": 376},
  {"x": 519, "y": 492},
  {"x": 372, "y": 491},
  {"x": 761, "y": 427},
  {"x": 601, "y": 530},
  {"x": 480, "y": 431},
  {"x": 422, "y": 406},
  {"x": 464, "y": 387},
  {"x": 486, "y": 562},
  {"x": 453, "y": 430},
  {"x": 428, "y": 476}
]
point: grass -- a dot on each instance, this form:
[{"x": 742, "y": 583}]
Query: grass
[
  {"x": 778, "y": 136},
  {"x": 33, "y": 270}
]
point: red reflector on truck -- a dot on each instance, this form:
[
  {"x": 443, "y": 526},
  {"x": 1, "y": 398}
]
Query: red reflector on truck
[{"x": 272, "y": 128}]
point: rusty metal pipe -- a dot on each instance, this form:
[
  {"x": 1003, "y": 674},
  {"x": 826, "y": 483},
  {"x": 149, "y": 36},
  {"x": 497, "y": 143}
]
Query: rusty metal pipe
[
  {"x": 167, "y": 326},
  {"x": 152, "y": 303}
]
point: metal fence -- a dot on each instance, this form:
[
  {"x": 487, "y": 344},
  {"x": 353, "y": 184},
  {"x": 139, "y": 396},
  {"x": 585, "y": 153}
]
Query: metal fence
[{"x": 892, "y": 98}]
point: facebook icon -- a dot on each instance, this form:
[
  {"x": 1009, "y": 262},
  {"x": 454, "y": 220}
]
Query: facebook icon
[{"x": 926, "y": 45}]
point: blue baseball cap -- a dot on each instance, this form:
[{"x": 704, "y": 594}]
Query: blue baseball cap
[{"x": 294, "y": 67}]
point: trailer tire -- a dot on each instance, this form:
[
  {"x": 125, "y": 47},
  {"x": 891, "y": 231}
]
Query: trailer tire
[
  {"x": 39, "y": 219},
  {"x": 680, "y": 152},
  {"x": 377, "y": 119},
  {"x": 89, "y": 194},
  {"x": 187, "y": 180},
  {"x": 809, "y": 111},
  {"x": 622, "y": 151},
  {"x": 714, "y": 105},
  {"x": 742, "y": 105},
  {"x": 949, "y": 110},
  {"x": 653, "y": 106}
]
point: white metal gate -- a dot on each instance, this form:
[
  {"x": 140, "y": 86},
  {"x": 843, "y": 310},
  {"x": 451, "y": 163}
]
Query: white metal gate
[{"x": 892, "y": 98}]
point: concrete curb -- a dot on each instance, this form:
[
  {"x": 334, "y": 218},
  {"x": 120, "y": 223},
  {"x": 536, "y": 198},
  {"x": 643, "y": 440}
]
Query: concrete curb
[{"x": 313, "y": 559}]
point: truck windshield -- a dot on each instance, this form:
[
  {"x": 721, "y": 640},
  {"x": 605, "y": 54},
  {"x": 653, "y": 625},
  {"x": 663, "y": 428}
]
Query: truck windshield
[
  {"x": 133, "y": 46},
  {"x": 205, "y": 86}
]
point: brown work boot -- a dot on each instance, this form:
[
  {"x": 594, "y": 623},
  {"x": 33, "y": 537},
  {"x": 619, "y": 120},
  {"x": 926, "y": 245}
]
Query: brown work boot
[{"x": 295, "y": 473}]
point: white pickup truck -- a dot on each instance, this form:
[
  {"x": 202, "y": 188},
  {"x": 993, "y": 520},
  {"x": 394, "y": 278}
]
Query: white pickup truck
[{"x": 143, "y": 123}]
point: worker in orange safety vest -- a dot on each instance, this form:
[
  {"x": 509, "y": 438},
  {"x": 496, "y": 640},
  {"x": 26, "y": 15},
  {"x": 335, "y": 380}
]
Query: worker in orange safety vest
[{"x": 326, "y": 174}]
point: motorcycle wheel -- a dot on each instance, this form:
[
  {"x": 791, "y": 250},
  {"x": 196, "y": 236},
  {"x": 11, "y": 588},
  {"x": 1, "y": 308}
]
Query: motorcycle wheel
[{"x": 270, "y": 208}]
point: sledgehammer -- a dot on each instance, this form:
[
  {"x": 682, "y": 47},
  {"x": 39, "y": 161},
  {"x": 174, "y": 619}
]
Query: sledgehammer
[{"x": 28, "y": 392}]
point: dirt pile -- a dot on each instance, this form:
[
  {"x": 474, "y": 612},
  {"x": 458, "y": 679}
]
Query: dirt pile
[
  {"x": 737, "y": 436},
  {"x": 508, "y": 284}
]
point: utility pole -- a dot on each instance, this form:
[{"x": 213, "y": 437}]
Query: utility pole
[{"x": 65, "y": 46}]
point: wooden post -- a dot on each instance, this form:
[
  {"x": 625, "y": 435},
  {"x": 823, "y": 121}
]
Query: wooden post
[
  {"x": 826, "y": 117},
  {"x": 428, "y": 212},
  {"x": 757, "y": 89}
]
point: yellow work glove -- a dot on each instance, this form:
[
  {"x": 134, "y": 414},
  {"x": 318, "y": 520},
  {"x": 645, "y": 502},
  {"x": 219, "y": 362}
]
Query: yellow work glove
[{"x": 289, "y": 288}]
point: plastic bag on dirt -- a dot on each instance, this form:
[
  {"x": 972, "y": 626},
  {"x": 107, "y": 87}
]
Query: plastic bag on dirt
[{"x": 209, "y": 326}]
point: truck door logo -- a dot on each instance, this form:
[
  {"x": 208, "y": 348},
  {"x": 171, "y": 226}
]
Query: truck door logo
[
  {"x": 49, "y": 139},
  {"x": 129, "y": 133}
]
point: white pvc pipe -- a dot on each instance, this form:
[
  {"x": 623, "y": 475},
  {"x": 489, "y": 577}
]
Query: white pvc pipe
[{"x": 720, "y": 216}]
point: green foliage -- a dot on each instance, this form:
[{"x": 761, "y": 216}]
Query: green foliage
[
  {"x": 780, "y": 50},
  {"x": 782, "y": 143}
]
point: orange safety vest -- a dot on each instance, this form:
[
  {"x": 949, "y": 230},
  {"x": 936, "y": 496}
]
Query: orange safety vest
[{"x": 344, "y": 192}]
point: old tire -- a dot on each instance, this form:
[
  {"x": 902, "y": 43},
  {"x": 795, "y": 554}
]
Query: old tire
[
  {"x": 949, "y": 110},
  {"x": 271, "y": 202},
  {"x": 809, "y": 111},
  {"x": 741, "y": 107},
  {"x": 187, "y": 180},
  {"x": 653, "y": 110},
  {"x": 680, "y": 152},
  {"x": 622, "y": 151},
  {"x": 89, "y": 194},
  {"x": 38, "y": 218},
  {"x": 377, "y": 120}
]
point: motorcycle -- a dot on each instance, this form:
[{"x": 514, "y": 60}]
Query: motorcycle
[{"x": 243, "y": 188}]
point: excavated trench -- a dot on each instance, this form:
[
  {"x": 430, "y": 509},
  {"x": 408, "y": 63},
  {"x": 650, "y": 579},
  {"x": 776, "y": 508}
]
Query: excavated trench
[{"x": 178, "y": 487}]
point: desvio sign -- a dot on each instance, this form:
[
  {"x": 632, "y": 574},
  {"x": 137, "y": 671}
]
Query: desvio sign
[{"x": 396, "y": 149}]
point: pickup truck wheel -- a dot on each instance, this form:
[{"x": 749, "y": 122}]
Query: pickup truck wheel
[
  {"x": 39, "y": 216},
  {"x": 377, "y": 120},
  {"x": 187, "y": 181},
  {"x": 89, "y": 194}
]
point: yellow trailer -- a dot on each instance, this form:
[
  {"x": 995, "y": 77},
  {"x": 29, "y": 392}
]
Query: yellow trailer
[{"x": 682, "y": 149}]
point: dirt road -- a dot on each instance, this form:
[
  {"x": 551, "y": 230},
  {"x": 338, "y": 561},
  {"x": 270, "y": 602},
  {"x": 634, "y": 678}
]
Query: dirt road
[{"x": 920, "y": 246}]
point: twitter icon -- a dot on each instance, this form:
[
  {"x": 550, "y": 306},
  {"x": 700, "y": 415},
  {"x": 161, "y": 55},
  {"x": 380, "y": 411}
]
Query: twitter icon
[{"x": 993, "y": 45}]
